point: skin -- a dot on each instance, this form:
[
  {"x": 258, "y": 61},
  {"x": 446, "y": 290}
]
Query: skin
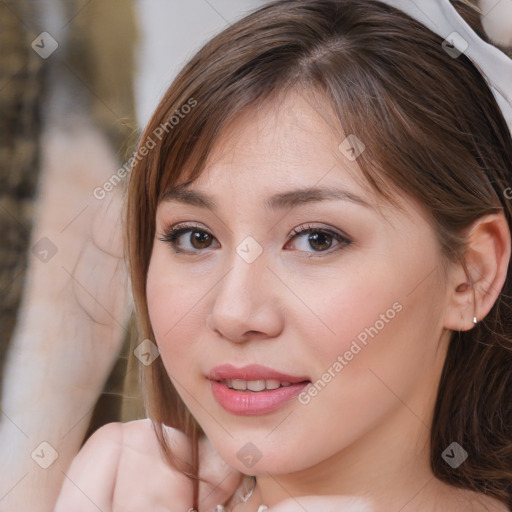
[
  {"x": 296, "y": 309},
  {"x": 121, "y": 469}
]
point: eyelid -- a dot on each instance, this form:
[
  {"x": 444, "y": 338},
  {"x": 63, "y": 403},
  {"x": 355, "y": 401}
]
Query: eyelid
[
  {"x": 304, "y": 228},
  {"x": 173, "y": 232},
  {"x": 342, "y": 239}
]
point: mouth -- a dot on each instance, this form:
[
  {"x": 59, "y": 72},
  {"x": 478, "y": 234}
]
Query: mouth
[
  {"x": 253, "y": 375},
  {"x": 254, "y": 389},
  {"x": 255, "y": 386}
]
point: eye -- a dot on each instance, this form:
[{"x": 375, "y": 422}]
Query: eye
[
  {"x": 318, "y": 239},
  {"x": 197, "y": 238}
]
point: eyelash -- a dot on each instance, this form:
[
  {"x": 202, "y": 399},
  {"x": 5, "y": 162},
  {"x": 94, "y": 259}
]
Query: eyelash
[{"x": 175, "y": 232}]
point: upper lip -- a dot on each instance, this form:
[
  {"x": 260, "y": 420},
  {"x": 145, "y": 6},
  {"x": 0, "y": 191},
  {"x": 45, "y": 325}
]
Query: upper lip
[{"x": 251, "y": 372}]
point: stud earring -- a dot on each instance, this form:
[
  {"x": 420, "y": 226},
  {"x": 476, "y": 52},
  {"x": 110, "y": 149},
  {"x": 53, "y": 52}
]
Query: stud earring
[{"x": 475, "y": 321}]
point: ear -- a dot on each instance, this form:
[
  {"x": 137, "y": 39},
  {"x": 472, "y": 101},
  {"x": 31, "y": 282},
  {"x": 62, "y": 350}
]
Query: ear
[{"x": 473, "y": 293}]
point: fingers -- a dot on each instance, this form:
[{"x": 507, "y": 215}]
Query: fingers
[{"x": 223, "y": 479}]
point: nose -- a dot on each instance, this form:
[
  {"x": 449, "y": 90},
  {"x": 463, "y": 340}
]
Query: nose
[{"x": 246, "y": 302}]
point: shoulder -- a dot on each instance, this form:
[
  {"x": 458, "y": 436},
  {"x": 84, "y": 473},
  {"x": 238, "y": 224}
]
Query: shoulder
[
  {"x": 92, "y": 473},
  {"x": 140, "y": 435},
  {"x": 103, "y": 448},
  {"x": 136, "y": 437},
  {"x": 474, "y": 501},
  {"x": 144, "y": 479},
  {"x": 115, "y": 458}
]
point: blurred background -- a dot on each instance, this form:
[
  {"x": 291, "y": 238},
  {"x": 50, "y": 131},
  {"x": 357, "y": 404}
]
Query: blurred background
[
  {"x": 66, "y": 64},
  {"x": 78, "y": 81}
]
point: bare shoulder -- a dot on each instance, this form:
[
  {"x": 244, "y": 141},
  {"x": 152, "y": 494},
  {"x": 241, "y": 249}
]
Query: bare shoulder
[
  {"x": 137, "y": 438},
  {"x": 478, "y": 502},
  {"x": 92, "y": 474},
  {"x": 102, "y": 449},
  {"x": 492, "y": 505},
  {"x": 140, "y": 435},
  {"x": 145, "y": 480},
  {"x": 116, "y": 462}
]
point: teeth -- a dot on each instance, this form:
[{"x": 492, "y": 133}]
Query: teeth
[
  {"x": 239, "y": 384},
  {"x": 272, "y": 384},
  {"x": 255, "y": 385}
]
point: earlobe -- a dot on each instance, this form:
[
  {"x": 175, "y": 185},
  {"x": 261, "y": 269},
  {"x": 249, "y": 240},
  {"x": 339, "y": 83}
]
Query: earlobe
[{"x": 476, "y": 283}]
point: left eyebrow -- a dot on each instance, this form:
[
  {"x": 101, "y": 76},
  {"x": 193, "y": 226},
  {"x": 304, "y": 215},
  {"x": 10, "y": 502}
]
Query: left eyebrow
[{"x": 288, "y": 200}]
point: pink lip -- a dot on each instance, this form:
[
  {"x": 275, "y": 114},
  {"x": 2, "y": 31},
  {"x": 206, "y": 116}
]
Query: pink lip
[
  {"x": 251, "y": 372},
  {"x": 252, "y": 403}
]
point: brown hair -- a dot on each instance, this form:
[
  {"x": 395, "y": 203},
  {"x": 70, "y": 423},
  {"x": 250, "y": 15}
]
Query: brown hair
[{"x": 432, "y": 130}]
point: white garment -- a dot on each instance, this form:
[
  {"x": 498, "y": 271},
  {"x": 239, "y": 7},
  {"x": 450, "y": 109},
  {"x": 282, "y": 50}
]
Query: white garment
[{"x": 443, "y": 19}]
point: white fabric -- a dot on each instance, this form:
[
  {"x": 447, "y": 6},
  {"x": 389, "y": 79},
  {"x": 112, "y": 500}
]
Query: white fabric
[{"x": 442, "y": 18}]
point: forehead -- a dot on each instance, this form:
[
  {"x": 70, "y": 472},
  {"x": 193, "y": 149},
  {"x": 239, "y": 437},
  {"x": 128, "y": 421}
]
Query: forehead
[
  {"x": 292, "y": 128},
  {"x": 291, "y": 142},
  {"x": 282, "y": 155}
]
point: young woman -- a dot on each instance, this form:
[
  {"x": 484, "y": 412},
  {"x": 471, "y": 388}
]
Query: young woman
[{"x": 318, "y": 231}]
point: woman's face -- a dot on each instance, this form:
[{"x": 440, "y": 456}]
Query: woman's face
[{"x": 354, "y": 306}]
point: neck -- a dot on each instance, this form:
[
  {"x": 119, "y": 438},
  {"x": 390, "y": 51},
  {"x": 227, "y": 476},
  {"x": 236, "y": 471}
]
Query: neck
[
  {"x": 389, "y": 465},
  {"x": 379, "y": 465}
]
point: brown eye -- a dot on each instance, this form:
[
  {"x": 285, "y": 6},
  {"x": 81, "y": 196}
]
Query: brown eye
[
  {"x": 318, "y": 239},
  {"x": 188, "y": 239},
  {"x": 200, "y": 239}
]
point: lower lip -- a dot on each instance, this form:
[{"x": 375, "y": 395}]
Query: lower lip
[{"x": 250, "y": 403}]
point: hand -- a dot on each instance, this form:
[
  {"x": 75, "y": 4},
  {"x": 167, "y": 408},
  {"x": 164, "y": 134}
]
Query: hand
[
  {"x": 121, "y": 469},
  {"x": 223, "y": 479}
]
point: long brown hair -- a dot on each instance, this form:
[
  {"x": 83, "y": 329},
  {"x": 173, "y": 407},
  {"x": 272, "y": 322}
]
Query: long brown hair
[{"x": 432, "y": 130}]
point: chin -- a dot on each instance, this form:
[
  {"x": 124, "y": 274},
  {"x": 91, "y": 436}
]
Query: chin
[{"x": 259, "y": 457}]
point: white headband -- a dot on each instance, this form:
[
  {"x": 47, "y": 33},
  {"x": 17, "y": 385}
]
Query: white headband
[{"x": 441, "y": 18}]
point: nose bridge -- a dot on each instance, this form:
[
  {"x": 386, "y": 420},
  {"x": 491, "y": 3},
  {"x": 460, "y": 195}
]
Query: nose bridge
[
  {"x": 243, "y": 300},
  {"x": 247, "y": 267}
]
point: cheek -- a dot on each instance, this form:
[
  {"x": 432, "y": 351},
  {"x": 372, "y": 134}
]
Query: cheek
[
  {"x": 171, "y": 306},
  {"x": 378, "y": 321},
  {"x": 357, "y": 307}
]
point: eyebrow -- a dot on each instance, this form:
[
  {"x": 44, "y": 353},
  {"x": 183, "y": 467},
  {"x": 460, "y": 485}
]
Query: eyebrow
[{"x": 283, "y": 200}]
